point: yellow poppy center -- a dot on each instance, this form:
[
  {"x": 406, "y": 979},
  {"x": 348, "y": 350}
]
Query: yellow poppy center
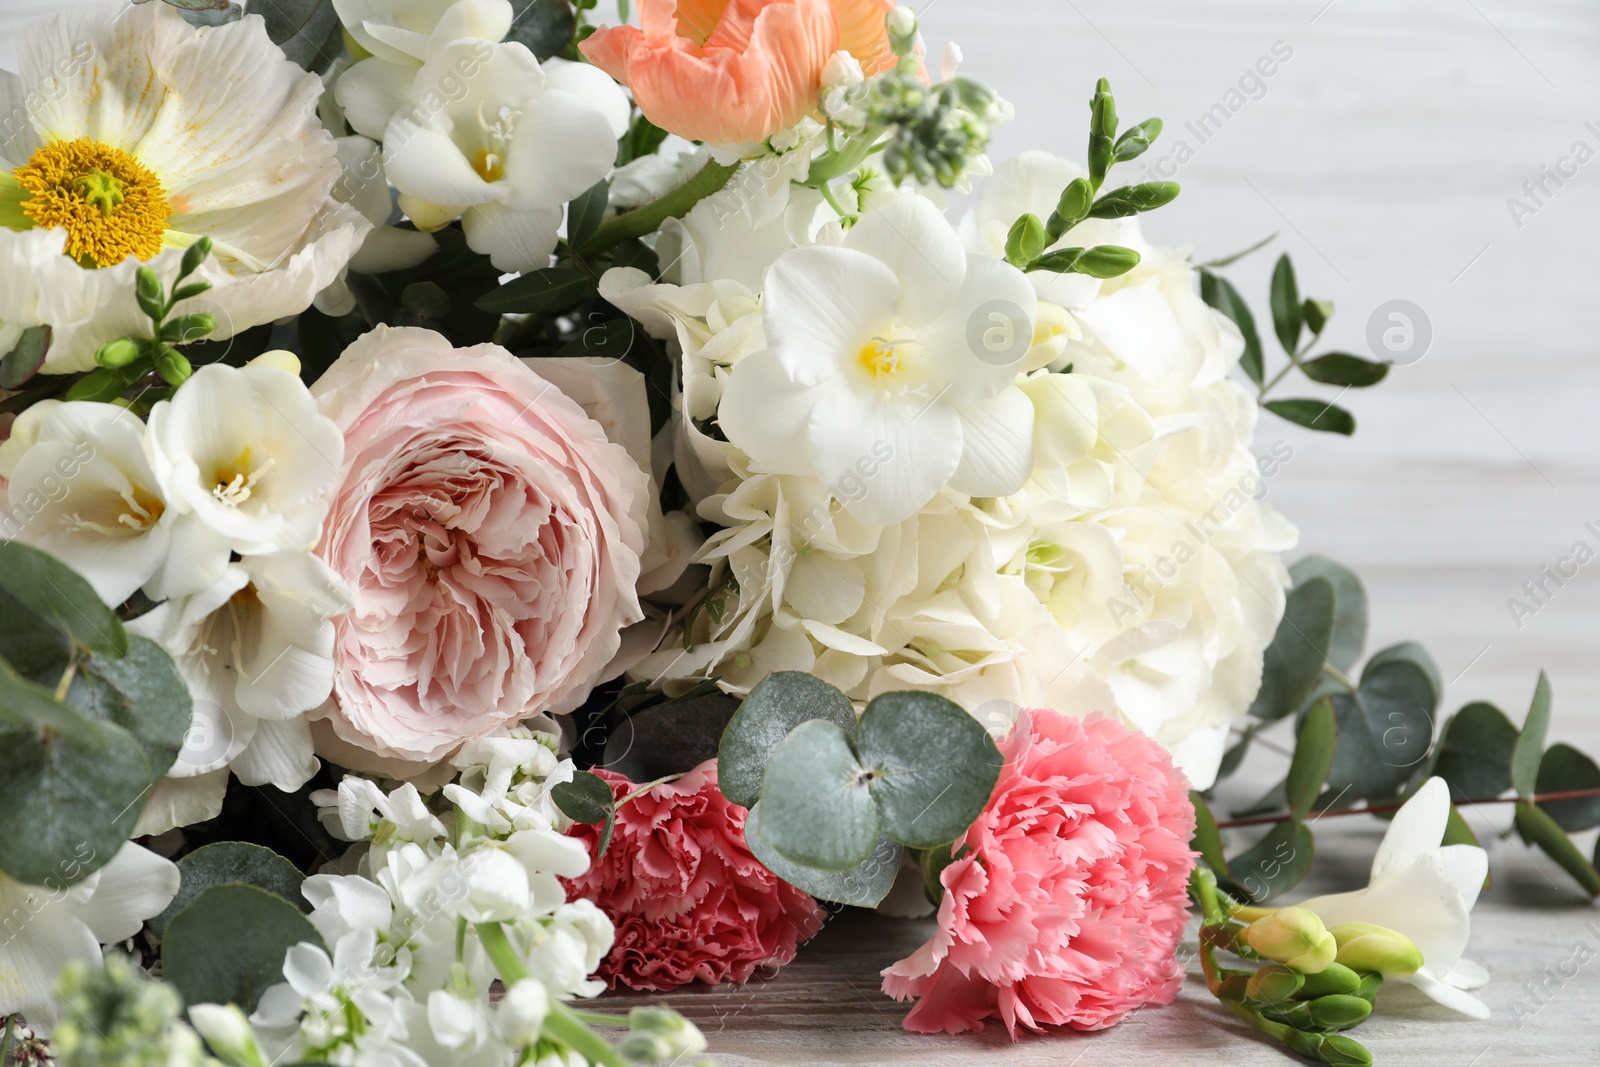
[{"x": 111, "y": 206}]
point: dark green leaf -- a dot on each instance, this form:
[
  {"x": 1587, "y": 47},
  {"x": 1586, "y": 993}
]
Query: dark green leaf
[
  {"x": 143, "y": 693},
  {"x": 1340, "y": 368},
  {"x": 1537, "y": 828},
  {"x": 1314, "y": 415},
  {"x": 544, "y": 27},
  {"x": 24, "y": 361},
  {"x": 933, "y": 766},
  {"x": 539, "y": 292},
  {"x": 817, "y": 810},
  {"x": 778, "y": 703},
  {"x": 587, "y": 211},
  {"x": 1207, "y": 838},
  {"x": 587, "y": 798},
  {"x": 198, "y": 5},
  {"x": 1293, "y": 663},
  {"x": 1529, "y": 749},
  {"x": 232, "y": 861},
  {"x": 425, "y": 300},
  {"x": 608, "y": 338},
  {"x": 29, "y": 708},
  {"x": 1130, "y": 200},
  {"x": 1220, "y": 294},
  {"x": 1386, "y": 728},
  {"x": 57, "y": 598},
  {"x": 642, "y": 139},
  {"x": 1235, "y": 754},
  {"x": 308, "y": 31},
  {"x": 1316, "y": 313},
  {"x": 1349, "y": 607},
  {"x": 1133, "y": 143},
  {"x": 1313, "y": 755},
  {"x": 671, "y": 737},
  {"x": 1456, "y": 830},
  {"x": 227, "y": 947},
  {"x": 1474, "y": 753},
  {"x": 1287, "y": 316},
  {"x": 1565, "y": 769},
  {"x": 863, "y": 886},
  {"x": 1275, "y": 863}
]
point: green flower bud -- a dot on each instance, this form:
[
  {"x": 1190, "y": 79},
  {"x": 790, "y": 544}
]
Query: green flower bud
[
  {"x": 1370, "y": 984},
  {"x": 1025, "y": 241},
  {"x": 1338, "y": 1011},
  {"x": 1368, "y": 947},
  {"x": 173, "y": 367},
  {"x": 1335, "y": 978},
  {"x": 1339, "y": 1051},
  {"x": 660, "y": 1035},
  {"x": 119, "y": 353},
  {"x": 1293, "y": 936},
  {"x": 1235, "y": 988},
  {"x": 1273, "y": 984},
  {"x": 188, "y": 328},
  {"x": 151, "y": 296}
]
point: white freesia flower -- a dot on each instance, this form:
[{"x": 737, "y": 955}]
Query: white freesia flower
[
  {"x": 501, "y": 141},
  {"x": 48, "y": 926},
  {"x": 1425, "y": 891},
  {"x": 135, "y": 134},
  {"x": 247, "y": 452},
  {"x": 892, "y": 362},
  {"x": 365, "y": 187}
]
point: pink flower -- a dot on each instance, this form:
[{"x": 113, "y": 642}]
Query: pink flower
[
  {"x": 735, "y": 71},
  {"x": 688, "y": 900},
  {"x": 1069, "y": 907},
  {"x": 491, "y": 535}
]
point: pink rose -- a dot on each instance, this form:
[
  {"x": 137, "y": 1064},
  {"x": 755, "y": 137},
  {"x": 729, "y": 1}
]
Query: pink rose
[
  {"x": 1068, "y": 908},
  {"x": 491, "y": 535},
  {"x": 688, "y": 900}
]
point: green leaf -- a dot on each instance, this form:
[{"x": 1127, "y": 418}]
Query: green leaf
[
  {"x": 1287, "y": 317},
  {"x": 587, "y": 211},
  {"x": 1220, "y": 294},
  {"x": 1207, "y": 838},
  {"x": 1314, "y": 415},
  {"x": 1340, "y": 368},
  {"x": 55, "y": 597},
  {"x": 1529, "y": 749},
  {"x": 1275, "y": 863},
  {"x": 1474, "y": 752},
  {"x": 587, "y": 798},
  {"x": 1386, "y": 727},
  {"x": 863, "y": 886},
  {"x": 544, "y": 27},
  {"x": 932, "y": 766},
  {"x": 1292, "y": 665},
  {"x": 232, "y": 861},
  {"x": 539, "y": 292},
  {"x": 778, "y": 703},
  {"x": 1128, "y": 200},
  {"x": 1562, "y": 770},
  {"x": 425, "y": 300},
  {"x": 308, "y": 31},
  {"x": 141, "y": 692},
  {"x": 227, "y": 947},
  {"x": 1236, "y": 753},
  {"x": 198, "y": 5},
  {"x": 30, "y": 708},
  {"x": 609, "y": 338},
  {"x": 1537, "y": 828},
  {"x": 24, "y": 361},
  {"x": 1349, "y": 607},
  {"x": 1456, "y": 830},
  {"x": 816, "y": 808},
  {"x": 1316, "y": 313},
  {"x": 1133, "y": 143},
  {"x": 931, "y": 863},
  {"x": 1313, "y": 756},
  {"x": 642, "y": 139},
  {"x": 1234, "y": 257}
]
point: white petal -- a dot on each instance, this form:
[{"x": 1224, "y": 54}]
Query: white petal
[
  {"x": 916, "y": 242},
  {"x": 983, "y": 333},
  {"x": 391, "y": 248},
  {"x": 593, "y": 86},
  {"x": 31, "y": 962},
  {"x": 175, "y": 802},
  {"x": 1468, "y": 975},
  {"x": 767, "y": 414},
  {"x": 1417, "y": 829},
  {"x": 996, "y": 445},
  {"x": 134, "y": 886},
  {"x": 18, "y": 141},
  {"x": 308, "y": 969},
  {"x": 427, "y": 165},
  {"x": 372, "y": 92},
  {"x": 822, "y": 305},
  {"x": 514, "y": 240},
  {"x": 1449, "y": 995},
  {"x": 279, "y": 754},
  {"x": 884, "y": 456},
  {"x": 561, "y": 146}
]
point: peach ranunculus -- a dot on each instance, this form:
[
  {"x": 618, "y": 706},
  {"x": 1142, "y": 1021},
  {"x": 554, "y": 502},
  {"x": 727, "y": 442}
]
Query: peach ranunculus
[
  {"x": 491, "y": 535},
  {"x": 737, "y": 71}
]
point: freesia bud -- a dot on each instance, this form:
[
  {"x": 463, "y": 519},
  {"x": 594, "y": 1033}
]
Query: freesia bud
[
  {"x": 118, "y": 354},
  {"x": 1335, "y": 978},
  {"x": 1368, "y": 947},
  {"x": 281, "y": 358},
  {"x": 228, "y": 1032},
  {"x": 1293, "y": 936},
  {"x": 1273, "y": 984}
]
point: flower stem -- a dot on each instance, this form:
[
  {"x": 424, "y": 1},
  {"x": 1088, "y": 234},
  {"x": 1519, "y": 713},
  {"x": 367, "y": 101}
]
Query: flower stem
[
  {"x": 643, "y": 789},
  {"x": 562, "y": 1023},
  {"x": 843, "y": 160},
  {"x": 647, "y": 219},
  {"x": 5, "y": 1042},
  {"x": 1396, "y": 805}
]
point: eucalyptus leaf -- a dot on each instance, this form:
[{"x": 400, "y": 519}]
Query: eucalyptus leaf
[
  {"x": 1565, "y": 769},
  {"x": 1349, "y": 607},
  {"x": 1474, "y": 752},
  {"x": 539, "y": 292},
  {"x": 308, "y": 31},
  {"x": 817, "y": 809},
  {"x": 1207, "y": 838},
  {"x": 1313, "y": 755},
  {"x": 1220, "y": 294},
  {"x": 586, "y": 799},
  {"x": 227, "y": 947},
  {"x": 1235, "y": 754},
  {"x": 141, "y": 692},
  {"x": 1275, "y": 863},
  {"x": 1314, "y": 415},
  {"x": 24, "y": 360},
  {"x": 1341, "y": 368},
  {"x": 933, "y": 766},
  {"x": 29, "y": 708},
  {"x": 1288, "y": 319},
  {"x": 55, "y": 597},
  {"x": 1386, "y": 726},
  {"x": 544, "y": 27},
  {"x": 1292, "y": 664},
  {"x": 1529, "y": 749},
  {"x": 778, "y": 703},
  {"x": 668, "y": 738},
  {"x": 1536, "y": 827},
  {"x": 232, "y": 861},
  {"x": 1456, "y": 830},
  {"x": 863, "y": 886}
]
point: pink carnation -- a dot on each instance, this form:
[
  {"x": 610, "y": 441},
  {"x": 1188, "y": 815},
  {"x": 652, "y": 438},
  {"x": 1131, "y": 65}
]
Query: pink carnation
[
  {"x": 1069, "y": 907},
  {"x": 491, "y": 535},
  {"x": 689, "y": 901}
]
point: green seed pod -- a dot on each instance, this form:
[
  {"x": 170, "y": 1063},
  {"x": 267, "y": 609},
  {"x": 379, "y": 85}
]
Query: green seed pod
[{"x": 1336, "y": 978}]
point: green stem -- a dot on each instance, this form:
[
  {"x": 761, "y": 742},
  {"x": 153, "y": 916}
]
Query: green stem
[
  {"x": 842, "y": 161},
  {"x": 1396, "y": 805},
  {"x": 562, "y": 1023},
  {"x": 598, "y": 1018},
  {"x": 61, "y": 694},
  {"x": 647, "y": 219},
  {"x": 643, "y": 789},
  {"x": 5, "y": 1042},
  {"x": 826, "y": 190},
  {"x": 505, "y": 959}
]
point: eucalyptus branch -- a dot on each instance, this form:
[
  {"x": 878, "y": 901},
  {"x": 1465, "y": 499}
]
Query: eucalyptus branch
[{"x": 1396, "y": 805}]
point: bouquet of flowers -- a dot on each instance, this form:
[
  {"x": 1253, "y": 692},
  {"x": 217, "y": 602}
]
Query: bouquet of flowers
[{"x": 498, "y": 508}]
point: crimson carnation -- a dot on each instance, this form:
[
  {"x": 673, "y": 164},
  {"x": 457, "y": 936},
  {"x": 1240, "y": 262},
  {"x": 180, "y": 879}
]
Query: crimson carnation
[
  {"x": 1069, "y": 899},
  {"x": 689, "y": 901}
]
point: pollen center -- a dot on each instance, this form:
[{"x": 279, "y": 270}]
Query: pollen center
[
  {"x": 111, "y": 206},
  {"x": 879, "y": 358},
  {"x": 489, "y": 165}
]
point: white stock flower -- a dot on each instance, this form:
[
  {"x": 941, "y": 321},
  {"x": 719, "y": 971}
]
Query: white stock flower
[
  {"x": 1425, "y": 891},
  {"x": 892, "y": 363},
  {"x": 172, "y": 133},
  {"x": 48, "y": 926}
]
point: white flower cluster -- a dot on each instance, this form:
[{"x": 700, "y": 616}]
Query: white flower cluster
[
  {"x": 935, "y": 472},
  {"x": 213, "y": 507}
]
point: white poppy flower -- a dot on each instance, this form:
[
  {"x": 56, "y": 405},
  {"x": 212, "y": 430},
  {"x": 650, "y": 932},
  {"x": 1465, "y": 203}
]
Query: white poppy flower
[
  {"x": 246, "y": 451},
  {"x": 136, "y": 134},
  {"x": 892, "y": 364},
  {"x": 500, "y": 140},
  {"x": 79, "y": 484},
  {"x": 1425, "y": 891},
  {"x": 48, "y": 926}
]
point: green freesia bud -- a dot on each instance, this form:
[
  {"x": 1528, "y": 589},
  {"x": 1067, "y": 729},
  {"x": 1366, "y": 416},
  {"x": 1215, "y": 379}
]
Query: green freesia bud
[
  {"x": 1368, "y": 947},
  {"x": 188, "y": 328},
  {"x": 1370, "y": 984},
  {"x": 150, "y": 294},
  {"x": 1273, "y": 984},
  {"x": 1335, "y": 978},
  {"x": 194, "y": 255},
  {"x": 173, "y": 367},
  {"x": 1335, "y": 1012},
  {"x": 1293, "y": 936},
  {"x": 118, "y": 354},
  {"x": 1025, "y": 241}
]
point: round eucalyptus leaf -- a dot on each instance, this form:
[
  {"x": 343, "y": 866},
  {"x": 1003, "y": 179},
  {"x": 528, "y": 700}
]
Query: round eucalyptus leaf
[
  {"x": 1293, "y": 663},
  {"x": 232, "y": 861},
  {"x": 38, "y": 590},
  {"x": 1474, "y": 753},
  {"x": 864, "y": 885},
  {"x": 1275, "y": 863},
  {"x": 1349, "y": 607},
  {"x": 779, "y": 702},
  {"x": 587, "y": 798},
  {"x": 227, "y": 947},
  {"x": 816, "y": 808},
  {"x": 141, "y": 692},
  {"x": 1564, "y": 769},
  {"x": 931, "y": 765}
]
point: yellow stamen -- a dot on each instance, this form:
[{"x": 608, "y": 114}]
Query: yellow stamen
[
  {"x": 111, "y": 206},
  {"x": 879, "y": 358},
  {"x": 232, "y": 482}
]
